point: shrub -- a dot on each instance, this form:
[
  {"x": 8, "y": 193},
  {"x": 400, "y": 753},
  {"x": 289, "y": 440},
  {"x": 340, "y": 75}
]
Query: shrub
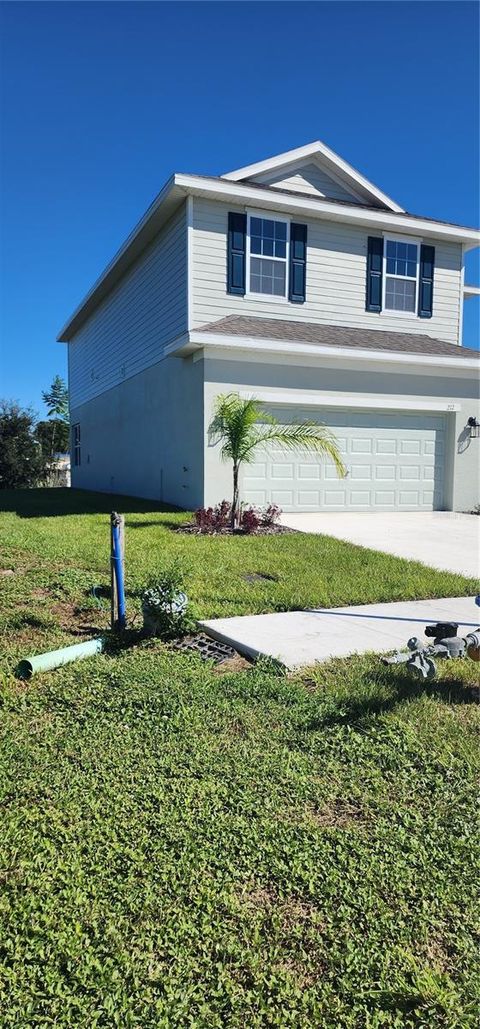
[
  {"x": 164, "y": 604},
  {"x": 270, "y": 515},
  {"x": 218, "y": 518},
  {"x": 213, "y": 519},
  {"x": 250, "y": 520}
]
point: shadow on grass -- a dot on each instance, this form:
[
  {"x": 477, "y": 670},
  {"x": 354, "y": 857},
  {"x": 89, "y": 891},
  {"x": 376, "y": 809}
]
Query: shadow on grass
[
  {"x": 362, "y": 710},
  {"x": 163, "y": 523},
  {"x": 51, "y": 503}
]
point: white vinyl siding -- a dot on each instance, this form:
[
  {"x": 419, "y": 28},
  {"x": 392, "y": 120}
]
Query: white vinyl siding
[
  {"x": 336, "y": 277},
  {"x": 308, "y": 179},
  {"x": 129, "y": 330}
]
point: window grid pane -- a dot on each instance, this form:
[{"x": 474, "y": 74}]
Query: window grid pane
[
  {"x": 401, "y": 258},
  {"x": 267, "y": 277},
  {"x": 268, "y": 242},
  {"x": 400, "y": 294}
]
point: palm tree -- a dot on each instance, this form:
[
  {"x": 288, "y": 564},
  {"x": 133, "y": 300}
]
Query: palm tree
[{"x": 243, "y": 426}]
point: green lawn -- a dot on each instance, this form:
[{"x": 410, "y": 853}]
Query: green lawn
[{"x": 181, "y": 847}]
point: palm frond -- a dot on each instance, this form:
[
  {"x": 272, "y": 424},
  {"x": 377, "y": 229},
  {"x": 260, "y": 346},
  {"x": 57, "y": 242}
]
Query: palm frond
[
  {"x": 242, "y": 425},
  {"x": 234, "y": 424},
  {"x": 310, "y": 436}
]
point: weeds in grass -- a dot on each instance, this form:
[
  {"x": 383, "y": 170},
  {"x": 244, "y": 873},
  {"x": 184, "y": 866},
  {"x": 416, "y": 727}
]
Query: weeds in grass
[{"x": 182, "y": 848}]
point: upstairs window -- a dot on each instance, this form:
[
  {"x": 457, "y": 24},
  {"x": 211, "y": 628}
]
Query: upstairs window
[
  {"x": 76, "y": 445},
  {"x": 268, "y": 249},
  {"x": 401, "y": 276}
]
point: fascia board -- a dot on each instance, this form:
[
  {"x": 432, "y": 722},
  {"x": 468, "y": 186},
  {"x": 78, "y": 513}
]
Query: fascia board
[
  {"x": 292, "y": 348},
  {"x": 316, "y": 149},
  {"x": 242, "y": 193}
]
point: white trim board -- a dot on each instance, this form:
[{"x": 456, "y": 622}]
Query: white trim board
[
  {"x": 287, "y": 169},
  {"x": 253, "y": 212},
  {"x": 259, "y": 346},
  {"x": 300, "y": 399},
  {"x": 189, "y": 230},
  {"x": 318, "y": 150},
  {"x": 275, "y": 200}
]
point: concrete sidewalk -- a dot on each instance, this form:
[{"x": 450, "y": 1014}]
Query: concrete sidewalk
[
  {"x": 301, "y": 638},
  {"x": 446, "y": 540}
]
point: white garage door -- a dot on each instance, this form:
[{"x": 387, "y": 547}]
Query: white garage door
[{"x": 395, "y": 461}]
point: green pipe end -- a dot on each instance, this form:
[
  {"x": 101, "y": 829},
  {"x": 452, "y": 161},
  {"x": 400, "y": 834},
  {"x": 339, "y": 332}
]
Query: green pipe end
[{"x": 25, "y": 669}]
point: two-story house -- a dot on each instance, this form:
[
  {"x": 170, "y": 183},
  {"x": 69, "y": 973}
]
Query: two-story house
[{"x": 298, "y": 281}]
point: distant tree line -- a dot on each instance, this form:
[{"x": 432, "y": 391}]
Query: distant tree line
[{"x": 28, "y": 446}]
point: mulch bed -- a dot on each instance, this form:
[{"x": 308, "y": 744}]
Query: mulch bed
[{"x": 263, "y": 530}]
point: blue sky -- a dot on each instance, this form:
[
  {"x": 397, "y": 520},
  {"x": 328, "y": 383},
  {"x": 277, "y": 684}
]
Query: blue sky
[{"x": 102, "y": 101}]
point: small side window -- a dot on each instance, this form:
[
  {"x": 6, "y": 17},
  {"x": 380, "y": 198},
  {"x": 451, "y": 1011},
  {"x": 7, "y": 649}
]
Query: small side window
[{"x": 76, "y": 445}]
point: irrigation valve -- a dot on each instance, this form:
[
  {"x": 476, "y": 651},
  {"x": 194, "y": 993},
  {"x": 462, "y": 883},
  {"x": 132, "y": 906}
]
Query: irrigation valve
[{"x": 447, "y": 645}]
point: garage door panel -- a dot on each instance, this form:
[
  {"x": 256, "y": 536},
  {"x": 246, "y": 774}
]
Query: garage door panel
[
  {"x": 360, "y": 446},
  {"x": 384, "y": 498},
  {"x": 361, "y": 498},
  {"x": 285, "y": 499},
  {"x": 361, "y": 471},
  {"x": 256, "y": 497},
  {"x": 410, "y": 498},
  {"x": 385, "y": 472},
  {"x": 410, "y": 446},
  {"x": 395, "y": 461},
  {"x": 281, "y": 470},
  {"x": 309, "y": 471},
  {"x": 385, "y": 446},
  {"x": 309, "y": 499},
  {"x": 334, "y": 498}
]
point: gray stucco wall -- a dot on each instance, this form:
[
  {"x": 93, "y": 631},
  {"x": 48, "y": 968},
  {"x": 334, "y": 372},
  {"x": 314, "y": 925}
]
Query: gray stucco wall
[
  {"x": 144, "y": 437},
  {"x": 462, "y": 471}
]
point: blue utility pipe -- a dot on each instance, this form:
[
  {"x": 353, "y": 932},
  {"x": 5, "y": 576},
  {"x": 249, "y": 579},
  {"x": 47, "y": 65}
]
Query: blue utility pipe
[{"x": 118, "y": 569}]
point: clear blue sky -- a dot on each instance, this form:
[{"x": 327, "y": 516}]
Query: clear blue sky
[{"x": 102, "y": 101}]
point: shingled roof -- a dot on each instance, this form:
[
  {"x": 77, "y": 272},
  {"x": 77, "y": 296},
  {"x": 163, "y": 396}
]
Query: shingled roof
[{"x": 335, "y": 336}]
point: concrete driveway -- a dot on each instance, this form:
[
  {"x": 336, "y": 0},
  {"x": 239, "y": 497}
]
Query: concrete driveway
[{"x": 441, "y": 539}]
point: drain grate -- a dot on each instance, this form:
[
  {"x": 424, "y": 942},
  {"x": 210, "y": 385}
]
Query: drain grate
[{"x": 205, "y": 647}]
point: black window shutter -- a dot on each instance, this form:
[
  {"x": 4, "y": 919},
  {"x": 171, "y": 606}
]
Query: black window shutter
[
  {"x": 298, "y": 263},
  {"x": 237, "y": 237},
  {"x": 425, "y": 289},
  {"x": 374, "y": 273}
]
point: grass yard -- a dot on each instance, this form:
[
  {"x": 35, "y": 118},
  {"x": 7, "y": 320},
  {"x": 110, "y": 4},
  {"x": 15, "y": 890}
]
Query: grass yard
[{"x": 184, "y": 847}]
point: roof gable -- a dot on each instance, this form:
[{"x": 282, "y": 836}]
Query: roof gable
[
  {"x": 308, "y": 177},
  {"x": 329, "y": 168}
]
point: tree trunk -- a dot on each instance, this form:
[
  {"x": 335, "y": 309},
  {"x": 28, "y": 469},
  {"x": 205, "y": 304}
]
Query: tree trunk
[{"x": 234, "y": 516}]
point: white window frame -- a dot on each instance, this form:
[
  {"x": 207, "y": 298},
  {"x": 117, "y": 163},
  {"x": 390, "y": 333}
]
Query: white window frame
[
  {"x": 270, "y": 297},
  {"x": 389, "y": 237}
]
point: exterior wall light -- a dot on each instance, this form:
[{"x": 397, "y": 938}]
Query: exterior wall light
[{"x": 474, "y": 427}]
